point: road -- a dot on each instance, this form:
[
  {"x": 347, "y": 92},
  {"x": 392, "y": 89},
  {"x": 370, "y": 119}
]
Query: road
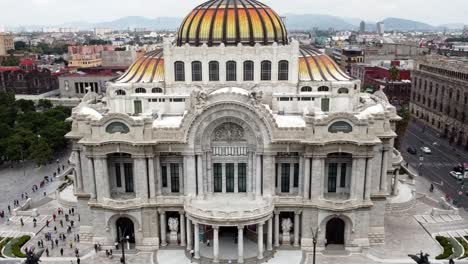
[{"x": 435, "y": 166}]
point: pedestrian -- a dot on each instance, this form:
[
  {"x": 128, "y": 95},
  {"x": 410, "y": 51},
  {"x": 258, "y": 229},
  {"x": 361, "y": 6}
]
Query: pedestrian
[
  {"x": 61, "y": 252},
  {"x": 42, "y": 243},
  {"x": 34, "y": 222},
  {"x": 9, "y": 209},
  {"x": 95, "y": 248},
  {"x": 78, "y": 238},
  {"x": 107, "y": 253},
  {"x": 192, "y": 253},
  {"x": 47, "y": 252},
  {"x": 78, "y": 217},
  {"x": 22, "y": 223},
  {"x": 431, "y": 189},
  {"x": 56, "y": 242},
  {"x": 54, "y": 216},
  {"x": 110, "y": 251},
  {"x": 72, "y": 223},
  {"x": 61, "y": 222},
  {"x": 71, "y": 244},
  {"x": 77, "y": 252},
  {"x": 47, "y": 223},
  {"x": 55, "y": 229},
  {"x": 38, "y": 243},
  {"x": 45, "y": 194},
  {"x": 78, "y": 260},
  {"x": 451, "y": 261},
  {"x": 22, "y": 196},
  {"x": 73, "y": 210},
  {"x": 52, "y": 244}
]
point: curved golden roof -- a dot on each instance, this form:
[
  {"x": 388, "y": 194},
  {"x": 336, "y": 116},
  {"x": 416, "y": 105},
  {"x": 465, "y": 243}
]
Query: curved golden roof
[
  {"x": 316, "y": 66},
  {"x": 147, "y": 69},
  {"x": 232, "y": 22}
]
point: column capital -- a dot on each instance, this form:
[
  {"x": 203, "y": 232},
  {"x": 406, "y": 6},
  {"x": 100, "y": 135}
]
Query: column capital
[
  {"x": 216, "y": 227},
  {"x": 276, "y": 212},
  {"x": 268, "y": 154},
  {"x": 160, "y": 211},
  {"x": 298, "y": 212},
  {"x": 99, "y": 156},
  {"x": 138, "y": 156},
  {"x": 240, "y": 227},
  {"x": 261, "y": 224}
]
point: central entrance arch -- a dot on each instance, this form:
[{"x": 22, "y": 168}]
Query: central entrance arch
[
  {"x": 335, "y": 233},
  {"x": 125, "y": 228}
]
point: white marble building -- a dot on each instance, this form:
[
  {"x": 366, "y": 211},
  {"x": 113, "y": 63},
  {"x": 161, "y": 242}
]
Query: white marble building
[{"x": 234, "y": 130}]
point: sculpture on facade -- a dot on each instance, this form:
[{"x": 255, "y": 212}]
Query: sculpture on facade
[
  {"x": 199, "y": 98},
  {"x": 229, "y": 132},
  {"x": 421, "y": 259},
  {"x": 173, "y": 224},
  {"x": 256, "y": 97},
  {"x": 286, "y": 225}
]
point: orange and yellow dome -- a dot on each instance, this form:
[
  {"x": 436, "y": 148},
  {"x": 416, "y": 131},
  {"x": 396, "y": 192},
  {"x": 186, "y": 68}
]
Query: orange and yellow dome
[{"x": 232, "y": 22}]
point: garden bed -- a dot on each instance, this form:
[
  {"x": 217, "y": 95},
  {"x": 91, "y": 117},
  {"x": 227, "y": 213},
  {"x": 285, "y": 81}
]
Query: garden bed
[
  {"x": 465, "y": 247},
  {"x": 13, "y": 248},
  {"x": 446, "y": 245}
]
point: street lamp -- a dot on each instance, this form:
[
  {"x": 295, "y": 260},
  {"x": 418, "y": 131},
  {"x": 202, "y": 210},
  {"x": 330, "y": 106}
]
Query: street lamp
[
  {"x": 123, "y": 239},
  {"x": 314, "y": 241},
  {"x": 421, "y": 159}
]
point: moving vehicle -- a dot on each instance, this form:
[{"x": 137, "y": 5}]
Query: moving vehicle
[
  {"x": 457, "y": 175},
  {"x": 412, "y": 150},
  {"x": 426, "y": 150}
]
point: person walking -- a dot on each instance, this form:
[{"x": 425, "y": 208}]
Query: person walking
[
  {"x": 34, "y": 222},
  {"x": 431, "y": 189},
  {"x": 61, "y": 252},
  {"x": 451, "y": 261},
  {"x": 47, "y": 252},
  {"x": 78, "y": 260},
  {"x": 22, "y": 223}
]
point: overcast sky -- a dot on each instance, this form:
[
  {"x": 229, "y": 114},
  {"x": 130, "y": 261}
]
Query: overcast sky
[{"x": 47, "y": 12}]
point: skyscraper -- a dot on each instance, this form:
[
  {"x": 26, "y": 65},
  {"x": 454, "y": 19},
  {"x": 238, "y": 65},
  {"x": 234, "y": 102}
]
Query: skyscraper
[
  {"x": 380, "y": 28},
  {"x": 362, "y": 27}
]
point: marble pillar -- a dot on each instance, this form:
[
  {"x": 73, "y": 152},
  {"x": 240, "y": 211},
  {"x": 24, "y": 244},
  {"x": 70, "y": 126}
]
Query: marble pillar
[
  {"x": 249, "y": 172},
  {"x": 258, "y": 176},
  {"x": 197, "y": 241},
  {"x": 240, "y": 244},
  {"x": 189, "y": 234},
  {"x": 200, "y": 178},
  {"x": 260, "y": 240},
  {"x": 102, "y": 178},
  {"x": 277, "y": 227},
  {"x": 162, "y": 222},
  {"x": 300, "y": 188},
  {"x": 296, "y": 228},
  {"x": 140, "y": 178},
  {"x": 306, "y": 184},
  {"x": 158, "y": 177},
  {"x": 215, "y": 244},
  {"x": 368, "y": 177},
  {"x": 182, "y": 229},
  {"x": 152, "y": 178},
  {"x": 92, "y": 178},
  {"x": 383, "y": 175},
  {"x": 270, "y": 234}
]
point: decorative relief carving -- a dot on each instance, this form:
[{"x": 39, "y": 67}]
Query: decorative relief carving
[
  {"x": 173, "y": 224},
  {"x": 199, "y": 98},
  {"x": 229, "y": 132},
  {"x": 286, "y": 225}
]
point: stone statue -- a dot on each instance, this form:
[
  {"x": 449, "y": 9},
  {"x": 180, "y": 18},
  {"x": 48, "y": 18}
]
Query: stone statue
[
  {"x": 421, "y": 259},
  {"x": 256, "y": 97},
  {"x": 173, "y": 224},
  {"x": 286, "y": 225},
  {"x": 33, "y": 258},
  {"x": 198, "y": 98}
]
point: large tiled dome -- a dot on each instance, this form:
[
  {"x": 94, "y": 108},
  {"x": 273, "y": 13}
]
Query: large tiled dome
[{"x": 232, "y": 22}]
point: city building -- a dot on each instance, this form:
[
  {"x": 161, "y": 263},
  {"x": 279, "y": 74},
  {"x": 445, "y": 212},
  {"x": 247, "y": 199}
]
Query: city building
[
  {"x": 116, "y": 58},
  {"x": 439, "y": 96},
  {"x": 86, "y": 56},
  {"x": 102, "y": 31},
  {"x": 33, "y": 82},
  {"x": 380, "y": 28},
  {"x": 6, "y": 43},
  {"x": 347, "y": 56},
  {"x": 77, "y": 84},
  {"x": 393, "y": 51},
  {"x": 362, "y": 27},
  {"x": 234, "y": 134},
  {"x": 377, "y": 76}
]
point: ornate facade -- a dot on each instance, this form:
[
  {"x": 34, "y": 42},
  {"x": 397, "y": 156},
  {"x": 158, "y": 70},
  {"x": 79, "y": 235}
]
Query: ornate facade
[{"x": 263, "y": 141}]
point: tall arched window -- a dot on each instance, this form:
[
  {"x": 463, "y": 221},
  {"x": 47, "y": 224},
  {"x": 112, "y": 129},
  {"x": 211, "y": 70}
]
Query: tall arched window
[
  {"x": 120, "y": 92},
  {"x": 179, "y": 71},
  {"x": 248, "y": 70},
  {"x": 157, "y": 90},
  {"x": 323, "y": 89},
  {"x": 306, "y": 89},
  {"x": 265, "y": 71},
  {"x": 283, "y": 70},
  {"x": 140, "y": 90},
  {"x": 196, "y": 71},
  {"x": 214, "y": 71},
  {"x": 231, "y": 71},
  {"x": 343, "y": 91}
]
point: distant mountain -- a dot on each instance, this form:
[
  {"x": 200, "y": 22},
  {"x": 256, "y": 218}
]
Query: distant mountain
[
  {"x": 452, "y": 26},
  {"x": 310, "y": 21},
  {"x": 393, "y": 23},
  {"x": 160, "y": 23}
]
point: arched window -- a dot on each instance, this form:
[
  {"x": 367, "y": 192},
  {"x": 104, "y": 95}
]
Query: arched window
[
  {"x": 283, "y": 70},
  {"x": 248, "y": 70},
  {"x": 323, "y": 89},
  {"x": 140, "y": 90},
  {"x": 117, "y": 127},
  {"x": 20, "y": 77},
  {"x": 231, "y": 71},
  {"x": 265, "y": 71},
  {"x": 214, "y": 71},
  {"x": 157, "y": 90},
  {"x": 120, "y": 92},
  {"x": 196, "y": 71},
  {"x": 179, "y": 71},
  {"x": 343, "y": 91},
  {"x": 306, "y": 89},
  {"x": 36, "y": 82}
]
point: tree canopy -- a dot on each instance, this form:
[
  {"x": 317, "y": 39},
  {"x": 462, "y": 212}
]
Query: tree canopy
[{"x": 31, "y": 132}]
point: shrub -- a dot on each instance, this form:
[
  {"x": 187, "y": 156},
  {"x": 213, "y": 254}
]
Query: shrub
[
  {"x": 448, "y": 248},
  {"x": 465, "y": 246},
  {"x": 2, "y": 245},
  {"x": 16, "y": 245}
]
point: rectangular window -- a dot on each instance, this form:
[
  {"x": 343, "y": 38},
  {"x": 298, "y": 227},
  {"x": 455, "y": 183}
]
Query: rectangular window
[
  {"x": 118, "y": 179},
  {"x": 213, "y": 71},
  {"x": 332, "y": 171},
  {"x": 296, "y": 175},
  {"x": 164, "y": 176},
  {"x": 343, "y": 175},
  {"x": 283, "y": 70},
  {"x": 231, "y": 71},
  {"x": 128, "y": 170},
  {"x": 248, "y": 71},
  {"x": 325, "y": 104},
  {"x": 175, "y": 177},
  {"x": 285, "y": 174},
  {"x": 241, "y": 175},
  {"x": 196, "y": 71},
  {"x": 230, "y": 177},
  {"x": 137, "y": 104},
  {"x": 179, "y": 71},
  {"x": 77, "y": 88},
  {"x": 218, "y": 177}
]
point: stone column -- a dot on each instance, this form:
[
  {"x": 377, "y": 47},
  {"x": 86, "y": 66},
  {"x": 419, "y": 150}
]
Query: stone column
[
  {"x": 162, "y": 222},
  {"x": 102, "y": 178},
  {"x": 383, "y": 173},
  {"x": 260, "y": 240},
  {"x": 270, "y": 234},
  {"x": 190, "y": 169},
  {"x": 79, "y": 175},
  {"x": 306, "y": 174},
  {"x": 395, "y": 183},
  {"x": 182, "y": 229},
  {"x": 296, "y": 228},
  {"x": 216, "y": 244},
  {"x": 368, "y": 177},
  {"x": 236, "y": 178},
  {"x": 318, "y": 177},
  {"x": 269, "y": 174},
  {"x": 140, "y": 178},
  {"x": 92, "y": 178},
  {"x": 250, "y": 172},
  {"x": 258, "y": 176},
  {"x": 189, "y": 234},
  {"x": 240, "y": 244},
  {"x": 291, "y": 178},
  {"x": 158, "y": 176},
  {"x": 278, "y": 178},
  {"x": 200, "y": 178},
  {"x": 152, "y": 178},
  {"x": 354, "y": 179},
  {"x": 277, "y": 232},
  {"x": 209, "y": 172},
  {"x": 197, "y": 241},
  {"x": 300, "y": 188}
]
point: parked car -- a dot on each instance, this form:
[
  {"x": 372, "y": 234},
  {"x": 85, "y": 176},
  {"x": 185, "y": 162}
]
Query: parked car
[
  {"x": 426, "y": 150},
  {"x": 457, "y": 175},
  {"x": 412, "y": 150}
]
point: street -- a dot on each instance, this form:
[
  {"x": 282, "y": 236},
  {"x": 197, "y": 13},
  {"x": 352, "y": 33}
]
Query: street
[{"x": 437, "y": 165}]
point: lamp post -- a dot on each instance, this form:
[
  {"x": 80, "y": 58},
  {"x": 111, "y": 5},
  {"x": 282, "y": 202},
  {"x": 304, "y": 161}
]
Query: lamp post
[
  {"x": 314, "y": 241},
  {"x": 123, "y": 239},
  {"x": 421, "y": 159}
]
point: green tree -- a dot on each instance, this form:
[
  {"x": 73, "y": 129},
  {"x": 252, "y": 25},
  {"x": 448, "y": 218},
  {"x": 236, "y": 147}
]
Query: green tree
[
  {"x": 40, "y": 152},
  {"x": 20, "y": 45},
  {"x": 402, "y": 125},
  {"x": 44, "y": 104},
  {"x": 11, "y": 61},
  {"x": 26, "y": 105}
]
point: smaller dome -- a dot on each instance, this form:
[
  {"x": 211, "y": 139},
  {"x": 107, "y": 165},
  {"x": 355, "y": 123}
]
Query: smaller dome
[
  {"x": 147, "y": 69},
  {"x": 232, "y": 22},
  {"x": 316, "y": 66}
]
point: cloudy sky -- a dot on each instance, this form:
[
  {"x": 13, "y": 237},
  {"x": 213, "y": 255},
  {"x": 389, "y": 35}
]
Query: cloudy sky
[{"x": 47, "y": 12}]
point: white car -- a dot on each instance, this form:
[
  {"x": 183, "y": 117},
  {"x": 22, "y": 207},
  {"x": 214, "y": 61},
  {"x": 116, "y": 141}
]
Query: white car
[
  {"x": 426, "y": 150},
  {"x": 457, "y": 175}
]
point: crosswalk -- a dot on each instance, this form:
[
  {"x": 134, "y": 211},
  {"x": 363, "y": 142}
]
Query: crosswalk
[
  {"x": 29, "y": 219},
  {"x": 13, "y": 234},
  {"x": 433, "y": 219},
  {"x": 457, "y": 233}
]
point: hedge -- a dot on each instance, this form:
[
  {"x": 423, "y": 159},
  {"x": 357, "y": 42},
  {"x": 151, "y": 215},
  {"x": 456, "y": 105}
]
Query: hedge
[
  {"x": 448, "y": 249},
  {"x": 465, "y": 246},
  {"x": 2, "y": 244},
  {"x": 13, "y": 248}
]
